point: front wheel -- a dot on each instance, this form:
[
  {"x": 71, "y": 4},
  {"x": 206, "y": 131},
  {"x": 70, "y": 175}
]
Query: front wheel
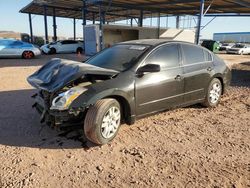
[
  {"x": 102, "y": 121},
  {"x": 214, "y": 93}
]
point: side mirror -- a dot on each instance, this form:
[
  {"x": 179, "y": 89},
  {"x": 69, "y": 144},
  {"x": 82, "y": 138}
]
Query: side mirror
[{"x": 149, "y": 68}]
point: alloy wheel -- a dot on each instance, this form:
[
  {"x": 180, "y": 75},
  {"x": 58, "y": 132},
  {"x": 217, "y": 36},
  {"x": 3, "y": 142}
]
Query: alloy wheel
[{"x": 111, "y": 122}]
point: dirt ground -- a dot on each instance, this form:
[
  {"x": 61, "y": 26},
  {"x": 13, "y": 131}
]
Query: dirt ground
[{"x": 187, "y": 147}]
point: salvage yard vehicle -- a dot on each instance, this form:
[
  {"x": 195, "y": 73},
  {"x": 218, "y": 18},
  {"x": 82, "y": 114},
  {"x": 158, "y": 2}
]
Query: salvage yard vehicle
[
  {"x": 128, "y": 81},
  {"x": 226, "y": 46},
  {"x": 10, "y": 48},
  {"x": 63, "y": 46},
  {"x": 240, "y": 49}
]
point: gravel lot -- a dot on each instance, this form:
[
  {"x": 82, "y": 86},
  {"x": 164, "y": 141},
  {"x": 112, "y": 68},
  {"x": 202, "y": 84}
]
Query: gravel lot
[{"x": 187, "y": 147}]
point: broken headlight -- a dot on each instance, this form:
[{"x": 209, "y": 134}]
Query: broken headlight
[{"x": 63, "y": 100}]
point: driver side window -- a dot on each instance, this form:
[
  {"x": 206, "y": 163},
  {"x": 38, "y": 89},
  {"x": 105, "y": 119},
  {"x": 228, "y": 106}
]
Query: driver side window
[{"x": 166, "y": 56}]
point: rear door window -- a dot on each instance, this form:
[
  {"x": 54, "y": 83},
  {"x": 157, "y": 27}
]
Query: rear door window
[
  {"x": 166, "y": 56},
  {"x": 192, "y": 54},
  {"x": 207, "y": 56},
  {"x": 69, "y": 42}
]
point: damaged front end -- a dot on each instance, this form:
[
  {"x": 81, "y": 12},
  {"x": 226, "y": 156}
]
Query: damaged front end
[{"x": 59, "y": 83}]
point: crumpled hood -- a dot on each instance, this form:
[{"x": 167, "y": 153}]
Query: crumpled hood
[{"x": 59, "y": 72}]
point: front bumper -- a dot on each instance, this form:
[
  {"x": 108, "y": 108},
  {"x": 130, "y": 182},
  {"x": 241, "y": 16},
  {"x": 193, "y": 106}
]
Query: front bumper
[
  {"x": 54, "y": 117},
  {"x": 45, "y": 50},
  {"x": 36, "y": 52}
]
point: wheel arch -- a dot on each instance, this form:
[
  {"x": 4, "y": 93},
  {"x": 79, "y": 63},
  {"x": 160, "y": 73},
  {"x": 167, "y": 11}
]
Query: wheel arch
[
  {"x": 125, "y": 107},
  {"x": 220, "y": 77},
  {"x": 123, "y": 98}
]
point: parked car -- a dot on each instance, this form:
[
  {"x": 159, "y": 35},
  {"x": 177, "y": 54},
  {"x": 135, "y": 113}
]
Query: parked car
[
  {"x": 226, "y": 46},
  {"x": 239, "y": 49},
  {"x": 125, "y": 82},
  {"x": 10, "y": 48},
  {"x": 64, "y": 46}
]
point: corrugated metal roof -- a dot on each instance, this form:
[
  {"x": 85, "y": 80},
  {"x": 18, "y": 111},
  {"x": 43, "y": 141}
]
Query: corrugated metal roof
[{"x": 124, "y": 9}]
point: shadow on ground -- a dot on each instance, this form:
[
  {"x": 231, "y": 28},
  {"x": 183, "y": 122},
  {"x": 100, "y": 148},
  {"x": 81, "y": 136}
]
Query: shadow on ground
[{"x": 20, "y": 125}]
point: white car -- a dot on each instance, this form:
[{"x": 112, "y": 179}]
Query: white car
[
  {"x": 226, "y": 46},
  {"x": 239, "y": 49},
  {"x": 63, "y": 46},
  {"x": 10, "y": 48}
]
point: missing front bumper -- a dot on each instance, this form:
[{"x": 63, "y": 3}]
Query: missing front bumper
[{"x": 55, "y": 117}]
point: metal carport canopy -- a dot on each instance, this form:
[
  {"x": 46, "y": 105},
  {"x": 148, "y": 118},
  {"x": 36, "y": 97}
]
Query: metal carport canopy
[{"x": 123, "y": 9}]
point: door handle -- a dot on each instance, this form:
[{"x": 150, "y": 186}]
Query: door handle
[
  {"x": 209, "y": 69},
  {"x": 178, "y": 77}
]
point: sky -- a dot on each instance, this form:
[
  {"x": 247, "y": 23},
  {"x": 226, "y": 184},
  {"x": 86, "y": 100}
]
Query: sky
[{"x": 12, "y": 20}]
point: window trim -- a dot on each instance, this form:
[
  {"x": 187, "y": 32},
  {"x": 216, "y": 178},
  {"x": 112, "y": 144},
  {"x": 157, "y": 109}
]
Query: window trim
[
  {"x": 143, "y": 61},
  {"x": 202, "y": 48}
]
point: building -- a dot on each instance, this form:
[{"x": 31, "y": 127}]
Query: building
[{"x": 243, "y": 37}]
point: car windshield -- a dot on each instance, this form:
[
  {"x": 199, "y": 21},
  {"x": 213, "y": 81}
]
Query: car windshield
[
  {"x": 239, "y": 46},
  {"x": 119, "y": 58}
]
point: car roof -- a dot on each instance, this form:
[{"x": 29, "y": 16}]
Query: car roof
[{"x": 153, "y": 42}]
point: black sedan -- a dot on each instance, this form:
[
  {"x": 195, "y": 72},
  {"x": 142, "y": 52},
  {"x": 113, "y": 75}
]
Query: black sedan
[{"x": 125, "y": 82}]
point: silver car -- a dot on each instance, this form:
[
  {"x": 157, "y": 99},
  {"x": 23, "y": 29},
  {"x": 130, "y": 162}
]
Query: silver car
[{"x": 15, "y": 48}]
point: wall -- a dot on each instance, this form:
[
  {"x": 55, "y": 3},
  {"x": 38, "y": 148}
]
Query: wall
[
  {"x": 234, "y": 37},
  {"x": 113, "y": 36}
]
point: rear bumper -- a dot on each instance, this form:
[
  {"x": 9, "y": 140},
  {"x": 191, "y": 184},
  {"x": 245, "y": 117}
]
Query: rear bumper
[{"x": 45, "y": 50}]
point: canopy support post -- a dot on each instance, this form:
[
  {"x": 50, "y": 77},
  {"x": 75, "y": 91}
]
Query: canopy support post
[
  {"x": 101, "y": 26},
  {"x": 74, "y": 28},
  {"x": 198, "y": 32},
  {"x": 45, "y": 24},
  {"x": 93, "y": 18},
  {"x": 178, "y": 22},
  {"x": 158, "y": 25},
  {"x": 31, "y": 29},
  {"x": 83, "y": 19},
  {"x": 140, "y": 24},
  {"x": 54, "y": 25}
]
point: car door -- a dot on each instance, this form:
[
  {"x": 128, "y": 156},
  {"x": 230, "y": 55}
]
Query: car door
[
  {"x": 198, "y": 68},
  {"x": 73, "y": 46},
  {"x": 70, "y": 46},
  {"x": 64, "y": 47},
  {"x": 160, "y": 90}
]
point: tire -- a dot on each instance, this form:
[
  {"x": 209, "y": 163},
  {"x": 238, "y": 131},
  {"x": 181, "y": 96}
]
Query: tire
[
  {"x": 95, "y": 129},
  {"x": 52, "y": 51},
  {"x": 214, "y": 93},
  {"x": 79, "y": 50},
  {"x": 28, "y": 55}
]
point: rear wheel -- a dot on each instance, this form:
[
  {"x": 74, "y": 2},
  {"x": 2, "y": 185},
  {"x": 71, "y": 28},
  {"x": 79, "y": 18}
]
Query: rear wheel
[
  {"x": 214, "y": 93},
  {"x": 52, "y": 51},
  {"x": 28, "y": 55},
  {"x": 79, "y": 50},
  {"x": 102, "y": 121}
]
